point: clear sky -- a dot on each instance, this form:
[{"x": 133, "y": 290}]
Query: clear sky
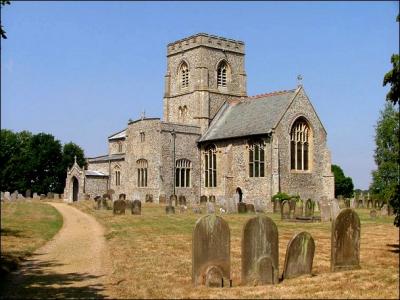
[{"x": 80, "y": 70}]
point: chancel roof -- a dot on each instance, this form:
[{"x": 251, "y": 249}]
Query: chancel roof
[
  {"x": 105, "y": 158},
  {"x": 95, "y": 173},
  {"x": 249, "y": 116}
]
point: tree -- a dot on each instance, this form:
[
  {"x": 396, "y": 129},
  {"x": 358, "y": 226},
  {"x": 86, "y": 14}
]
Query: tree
[
  {"x": 2, "y": 31},
  {"x": 386, "y": 178},
  {"x": 343, "y": 185},
  {"x": 70, "y": 150}
]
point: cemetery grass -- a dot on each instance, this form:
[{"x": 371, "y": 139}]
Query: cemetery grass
[
  {"x": 151, "y": 258},
  {"x": 25, "y": 226}
]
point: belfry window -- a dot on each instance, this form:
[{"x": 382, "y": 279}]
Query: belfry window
[
  {"x": 184, "y": 73},
  {"x": 210, "y": 168},
  {"x": 256, "y": 159},
  {"x": 141, "y": 172},
  {"x": 299, "y": 146},
  {"x": 221, "y": 74},
  {"x": 182, "y": 173}
]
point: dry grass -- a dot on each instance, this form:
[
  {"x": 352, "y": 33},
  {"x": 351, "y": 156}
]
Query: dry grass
[{"x": 151, "y": 258}]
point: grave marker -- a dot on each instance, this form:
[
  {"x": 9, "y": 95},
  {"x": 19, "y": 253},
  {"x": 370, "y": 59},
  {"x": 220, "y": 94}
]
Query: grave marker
[
  {"x": 119, "y": 207},
  {"x": 136, "y": 207},
  {"x": 285, "y": 210}
]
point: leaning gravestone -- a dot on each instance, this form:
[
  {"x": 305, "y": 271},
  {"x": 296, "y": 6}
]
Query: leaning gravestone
[
  {"x": 162, "y": 199},
  {"x": 299, "y": 256},
  {"x": 241, "y": 207},
  {"x": 250, "y": 208},
  {"x": 182, "y": 200},
  {"x": 119, "y": 207},
  {"x": 203, "y": 199},
  {"x": 136, "y": 207},
  {"x": 335, "y": 210},
  {"x": 309, "y": 209},
  {"x": 211, "y": 265},
  {"x": 345, "y": 247},
  {"x": 210, "y": 208},
  {"x": 285, "y": 210},
  {"x": 149, "y": 198},
  {"x": 172, "y": 200},
  {"x": 260, "y": 251}
]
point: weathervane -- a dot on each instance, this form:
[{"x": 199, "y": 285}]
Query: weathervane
[{"x": 299, "y": 80}]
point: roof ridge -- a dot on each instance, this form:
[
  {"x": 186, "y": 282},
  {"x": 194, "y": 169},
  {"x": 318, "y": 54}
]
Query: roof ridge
[{"x": 271, "y": 94}]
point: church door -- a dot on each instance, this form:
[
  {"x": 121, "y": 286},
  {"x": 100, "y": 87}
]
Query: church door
[{"x": 75, "y": 189}]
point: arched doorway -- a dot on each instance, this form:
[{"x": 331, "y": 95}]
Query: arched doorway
[
  {"x": 239, "y": 191},
  {"x": 75, "y": 189}
]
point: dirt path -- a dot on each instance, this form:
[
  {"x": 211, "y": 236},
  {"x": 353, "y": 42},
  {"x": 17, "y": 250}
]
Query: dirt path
[{"x": 75, "y": 263}]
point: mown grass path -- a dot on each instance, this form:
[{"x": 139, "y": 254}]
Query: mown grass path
[{"x": 73, "y": 264}]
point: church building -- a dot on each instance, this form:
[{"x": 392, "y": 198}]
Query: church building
[{"x": 213, "y": 139}]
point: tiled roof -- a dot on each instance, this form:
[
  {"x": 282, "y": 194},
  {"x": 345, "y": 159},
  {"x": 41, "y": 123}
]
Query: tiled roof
[
  {"x": 105, "y": 158},
  {"x": 95, "y": 173},
  {"x": 249, "y": 116},
  {"x": 118, "y": 135}
]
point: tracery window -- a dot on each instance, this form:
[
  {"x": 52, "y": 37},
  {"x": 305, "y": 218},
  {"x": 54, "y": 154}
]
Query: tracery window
[
  {"x": 222, "y": 74},
  {"x": 184, "y": 73},
  {"x": 141, "y": 172},
  {"x": 299, "y": 145},
  {"x": 210, "y": 169},
  {"x": 256, "y": 159},
  {"x": 183, "y": 172}
]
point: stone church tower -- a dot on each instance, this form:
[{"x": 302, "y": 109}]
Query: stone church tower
[{"x": 203, "y": 71}]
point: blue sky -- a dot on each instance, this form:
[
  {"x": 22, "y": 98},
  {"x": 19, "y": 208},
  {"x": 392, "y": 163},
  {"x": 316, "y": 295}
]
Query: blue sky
[{"x": 80, "y": 70}]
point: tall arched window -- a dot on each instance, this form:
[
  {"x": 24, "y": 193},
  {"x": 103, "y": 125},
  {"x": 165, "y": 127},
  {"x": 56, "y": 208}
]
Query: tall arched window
[
  {"x": 120, "y": 147},
  {"x": 141, "y": 172},
  {"x": 184, "y": 74},
  {"x": 222, "y": 74},
  {"x": 210, "y": 170},
  {"x": 256, "y": 159},
  {"x": 117, "y": 175},
  {"x": 299, "y": 145},
  {"x": 182, "y": 173}
]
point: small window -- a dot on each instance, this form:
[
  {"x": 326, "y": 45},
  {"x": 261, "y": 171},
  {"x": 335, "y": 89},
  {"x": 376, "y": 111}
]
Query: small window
[
  {"x": 120, "y": 147},
  {"x": 141, "y": 173},
  {"x": 183, "y": 172},
  {"x": 117, "y": 177},
  {"x": 256, "y": 159},
  {"x": 142, "y": 137},
  {"x": 210, "y": 170},
  {"x": 184, "y": 74},
  {"x": 222, "y": 74}
]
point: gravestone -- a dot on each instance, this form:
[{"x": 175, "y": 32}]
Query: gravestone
[
  {"x": 85, "y": 196},
  {"x": 122, "y": 197},
  {"x": 373, "y": 214},
  {"x": 345, "y": 239},
  {"x": 340, "y": 200},
  {"x": 299, "y": 256},
  {"x": 231, "y": 207},
  {"x": 250, "y": 208},
  {"x": 203, "y": 199},
  {"x": 347, "y": 203},
  {"x": 384, "y": 210},
  {"x": 149, "y": 198},
  {"x": 292, "y": 206},
  {"x": 162, "y": 199},
  {"x": 325, "y": 211},
  {"x": 35, "y": 196},
  {"x": 101, "y": 203},
  {"x": 111, "y": 192},
  {"x": 119, "y": 207},
  {"x": 172, "y": 200},
  {"x": 352, "y": 203},
  {"x": 241, "y": 207},
  {"x": 259, "y": 205},
  {"x": 50, "y": 195},
  {"x": 57, "y": 196},
  {"x": 7, "y": 196},
  {"x": 14, "y": 196},
  {"x": 299, "y": 209},
  {"x": 211, "y": 263},
  {"x": 285, "y": 210},
  {"x": 107, "y": 196},
  {"x": 42, "y": 196},
  {"x": 277, "y": 206},
  {"x": 196, "y": 209},
  {"x": 28, "y": 194},
  {"x": 260, "y": 251},
  {"x": 20, "y": 197},
  {"x": 369, "y": 203},
  {"x": 211, "y": 199},
  {"x": 335, "y": 210},
  {"x": 136, "y": 207},
  {"x": 169, "y": 209},
  {"x": 309, "y": 209},
  {"x": 182, "y": 200},
  {"x": 210, "y": 208}
]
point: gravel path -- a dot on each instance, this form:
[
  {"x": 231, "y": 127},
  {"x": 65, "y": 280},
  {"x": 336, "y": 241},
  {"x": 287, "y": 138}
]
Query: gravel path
[{"x": 74, "y": 264}]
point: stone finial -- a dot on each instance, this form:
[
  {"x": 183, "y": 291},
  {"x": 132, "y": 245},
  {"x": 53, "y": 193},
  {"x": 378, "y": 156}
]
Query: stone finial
[{"x": 75, "y": 159}]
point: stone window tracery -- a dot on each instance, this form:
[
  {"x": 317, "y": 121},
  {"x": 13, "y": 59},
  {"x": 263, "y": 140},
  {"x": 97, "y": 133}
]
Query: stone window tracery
[
  {"x": 222, "y": 74},
  {"x": 141, "y": 173},
  {"x": 184, "y": 74},
  {"x": 299, "y": 145},
  {"x": 256, "y": 159},
  {"x": 183, "y": 172},
  {"x": 210, "y": 170}
]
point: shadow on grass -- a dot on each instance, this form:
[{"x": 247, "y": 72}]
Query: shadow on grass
[
  {"x": 396, "y": 248},
  {"x": 34, "y": 280},
  {"x": 11, "y": 232}
]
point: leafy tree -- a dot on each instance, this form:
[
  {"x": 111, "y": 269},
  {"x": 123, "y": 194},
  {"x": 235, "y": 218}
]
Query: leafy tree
[
  {"x": 343, "y": 185},
  {"x": 386, "y": 178},
  {"x": 2, "y": 31},
  {"x": 70, "y": 150}
]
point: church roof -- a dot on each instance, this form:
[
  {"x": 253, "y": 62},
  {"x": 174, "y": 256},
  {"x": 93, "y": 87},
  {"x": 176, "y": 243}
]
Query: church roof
[
  {"x": 119, "y": 135},
  {"x": 95, "y": 173},
  {"x": 105, "y": 158},
  {"x": 249, "y": 116}
]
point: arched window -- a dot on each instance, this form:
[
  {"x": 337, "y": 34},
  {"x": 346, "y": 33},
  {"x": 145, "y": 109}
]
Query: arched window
[
  {"x": 120, "y": 147},
  {"x": 141, "y": 172},
  {"x": 184, "y": 74},
  {"x": 222, "y": 74},
  {"x": 299, "y": 145},
  {"x": 182, "y": 173},
  {"x": 256, "y": 159},
  {"x": 210, "y": 170},
  {"x": 117, "y": 175}
]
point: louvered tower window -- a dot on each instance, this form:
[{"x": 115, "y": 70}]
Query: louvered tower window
[
  {"x": 221, "y": 74},
  {"x": 184, "y": 75}
]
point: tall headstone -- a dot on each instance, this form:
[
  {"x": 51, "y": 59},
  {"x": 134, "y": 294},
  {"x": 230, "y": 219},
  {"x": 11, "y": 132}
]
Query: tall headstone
[
  {"x": 345, "y": 247},
  {"x": 35, "y": 196},
  {"x": 211, "y": 263},
  {"x": 260, "y": 251},
  {"x": 335, "y": 210},
  {"x": 14, "y": 195},
  {"x": 7, "y": 196},
  {"x": 384, "y": 210},
  {"x": 28, "y": 193},
  {"x": 285, "y": 210},
  {"x": 299, "y": 208},
  {"x": 309, "y": 208},
  {"x": 119, "y": 207},
  {"x": 136, "y": 207},
  {"x": 299, "y": 255},
  {"x": 182, "y": 200}
]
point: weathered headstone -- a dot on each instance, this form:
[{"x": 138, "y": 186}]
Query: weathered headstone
[
  {"x": 241, "y": 207},
  {"x": 309, "y": 209},
  {"x": 203, "y": 199},
  {"x": 20, "y": 197},
  {"x": 299, "y": 209},
  {"x": 369, "y": 203},
  {"x": 384, "y": 210},
  {"x": 211, "y": 198},
  {"x": 149, "y": 198},
  {"x": 299, "y": 256},
  {"x": 42, "y": 196},
  {"x": 121, "y": 197},
  {"x": 57, "y": 196},
  {"x": 211, "y": 263},
  {"x": 101, "y": 203},
  {"x": 345, "y": 247},
  {"x": 136, "y": 207},
  {"x": 119, "y": 207},
  {"x": 292, "y": 205},
  {"x": 250, "y": 208},
  {"x": 7, "y": 196},
  {"x": 210, "y": 208},
  {"x": 231, "y": 207},
  {"x": 35, "y": 196},
  {"x": 162, "y": 199},
  {"x": 260, "y": 251},
  {"x": 340, "y": 200},
  {"x": 285, "y": 210},
  {"x": 277, "y": 206},
  {"x": 50, "y": 195},
  {"x": 325, "y": 211},
  {"x": 28, "y": 193},
  {"x": 14, "y": 195},
  {"x": 335, "y": 210},
  {"x": 182, "y": 200},
  {"x": 172, "y": 200},
  {"x": 373, "y": 214}
]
